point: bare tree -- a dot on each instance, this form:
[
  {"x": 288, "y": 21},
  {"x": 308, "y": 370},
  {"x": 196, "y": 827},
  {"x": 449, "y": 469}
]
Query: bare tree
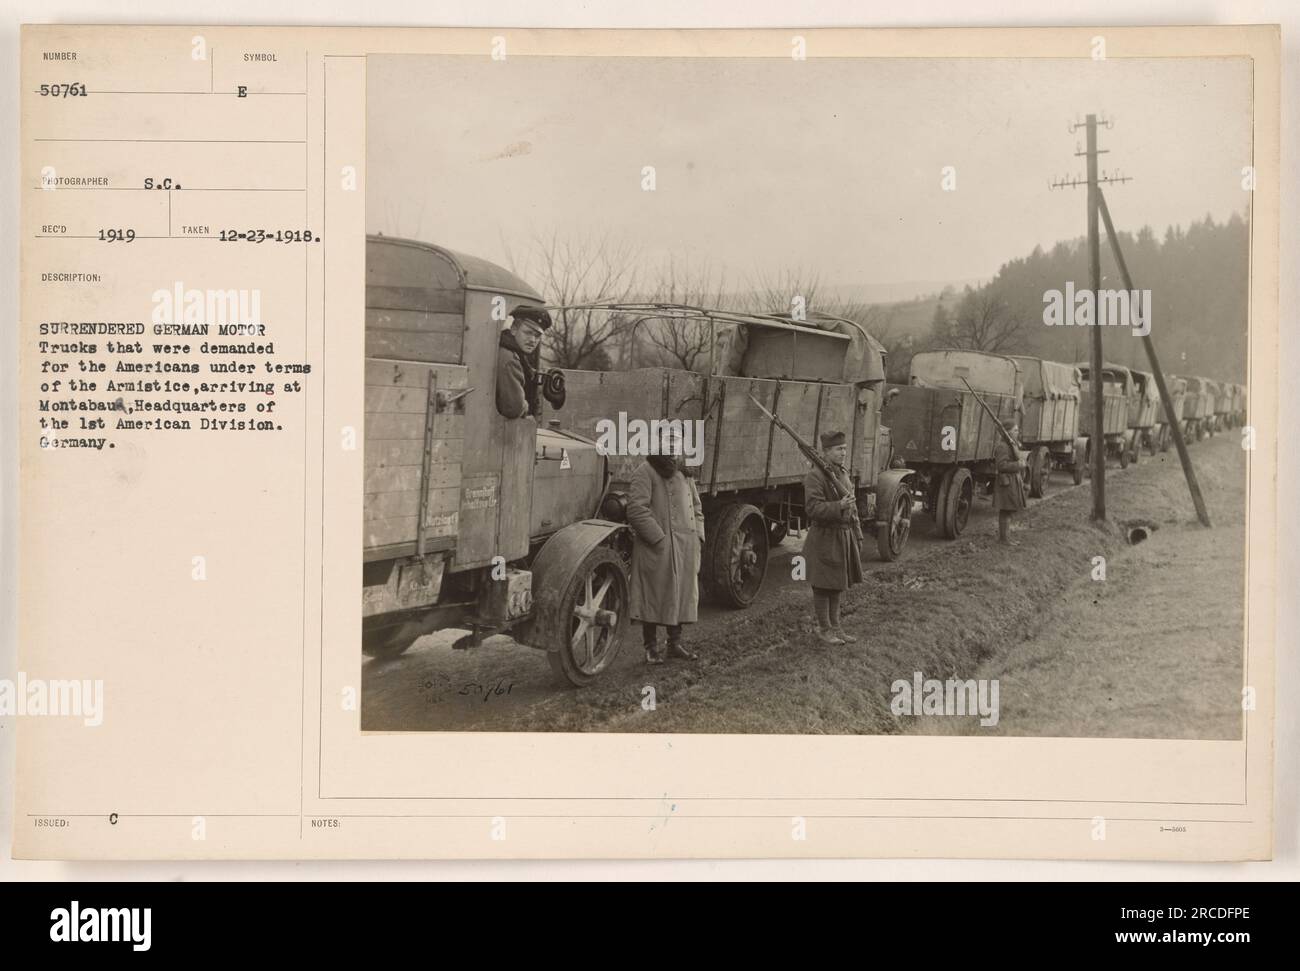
[
  {"x": 984, "y": 322},
  {"x": 680, "y": 343},
  {"x": 577, "y": 271}
]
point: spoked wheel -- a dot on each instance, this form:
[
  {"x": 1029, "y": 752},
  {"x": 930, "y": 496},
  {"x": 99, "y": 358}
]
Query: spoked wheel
[
  {"x": 957, "y": 500},
  {"x": 735, "y": 555},
  {"x": 895, "y": 525},
  {"x": 593, "y": 618}
]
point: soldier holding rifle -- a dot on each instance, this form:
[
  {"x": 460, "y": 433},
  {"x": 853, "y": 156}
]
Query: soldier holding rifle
[{"x": 832, "y": 547}]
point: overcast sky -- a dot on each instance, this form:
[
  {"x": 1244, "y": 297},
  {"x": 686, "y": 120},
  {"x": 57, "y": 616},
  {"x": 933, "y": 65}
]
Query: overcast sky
[{"x": 764, "y": 165}]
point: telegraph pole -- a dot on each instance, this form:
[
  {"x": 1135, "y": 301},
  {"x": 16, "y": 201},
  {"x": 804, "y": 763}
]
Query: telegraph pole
[
  {"x": 1094, "y": 271},
  {"x": 1097, "y": 209},
  {"x": 1097, "y": 440}
]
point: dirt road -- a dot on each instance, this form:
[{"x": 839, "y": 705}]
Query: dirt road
[{"x": 947, "y": 608}]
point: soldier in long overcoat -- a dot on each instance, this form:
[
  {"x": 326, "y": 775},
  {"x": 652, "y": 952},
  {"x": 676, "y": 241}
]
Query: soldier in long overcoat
[
  {"x": 1009, "y": 486},
  {"x": 667, "y": 520},
  {"x": 832, "y": 548}
]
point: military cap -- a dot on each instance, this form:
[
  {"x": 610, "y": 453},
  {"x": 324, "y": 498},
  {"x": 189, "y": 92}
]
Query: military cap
[{"x": 536, "y": 315}]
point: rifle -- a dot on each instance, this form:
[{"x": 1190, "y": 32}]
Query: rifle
[
  {"x": 1015, "y": 448},
  {"x": 818, "y": 461}
]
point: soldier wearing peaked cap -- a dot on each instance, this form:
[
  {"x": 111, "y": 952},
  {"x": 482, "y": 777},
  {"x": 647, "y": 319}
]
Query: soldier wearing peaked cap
[{"x": 519, "y": 362}]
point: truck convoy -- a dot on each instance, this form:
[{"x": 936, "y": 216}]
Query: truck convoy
[{"x": 485, "y": 524}]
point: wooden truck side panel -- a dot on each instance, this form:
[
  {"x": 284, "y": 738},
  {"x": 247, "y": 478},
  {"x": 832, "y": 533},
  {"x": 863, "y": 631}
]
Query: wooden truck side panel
[
  {"x": 742, "y": 448},
  {"x": 398, "y": 434}
]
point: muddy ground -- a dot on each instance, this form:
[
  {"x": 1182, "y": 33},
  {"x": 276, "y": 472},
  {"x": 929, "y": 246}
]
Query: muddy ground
[{"x": 1154, "y": 650}]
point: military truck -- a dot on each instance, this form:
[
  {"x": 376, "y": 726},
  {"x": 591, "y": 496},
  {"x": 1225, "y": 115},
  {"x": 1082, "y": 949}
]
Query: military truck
[
  {"x": 1050, "y": 426},
  {"x": 1198, "y": 409},
  {"x": 1162, "y": 434},
  {"x": 816, "y": 375},
  {"x": 1117, "y": 390},
  {"x": 941, "y": 432},
  {"x": 473, "y": 521},
  {"x": 1143, "y": 410}
]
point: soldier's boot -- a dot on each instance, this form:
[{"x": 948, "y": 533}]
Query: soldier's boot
[
  {"x": 829, "y": 637},
  {"x": 844, "y": 635},
  {"x": 650, "y": 641},
  {"x": 676, "y": 648}
]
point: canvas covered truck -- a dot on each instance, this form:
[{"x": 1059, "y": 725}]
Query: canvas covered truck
[
  {"x": 940, "y": 431},
  {"x": 1222, "y": 405},
  {"x": 1198, "y": 409},
  {"x": 1239, "y": 404},
  {"x": 1049, "y": 428},
  {"x": 815, "y": 378},
  {"x": 1162, "y": 434},
  {"x": 1117, "y": 389},
  {"x": 1143, "y": 409},
  {"x": 471, "y": 520}
]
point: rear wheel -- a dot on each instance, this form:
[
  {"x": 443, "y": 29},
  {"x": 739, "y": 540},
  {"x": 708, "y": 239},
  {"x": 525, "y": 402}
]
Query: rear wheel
[
  {"x": 957, "y": 500},
  {"x": 895, "y": 524},
  {"x": 735, "y": 555},
  {"x": 592, "y": 619}
]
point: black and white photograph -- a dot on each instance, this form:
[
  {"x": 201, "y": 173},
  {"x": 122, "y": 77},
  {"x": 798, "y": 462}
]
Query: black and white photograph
[{"x": 807, "y": 396}]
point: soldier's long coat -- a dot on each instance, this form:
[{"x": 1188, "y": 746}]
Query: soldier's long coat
[
  {"x": 1009, "y": 486},
  {"x": 831, "y": 549},
  {"x": 666, "y": 516}
]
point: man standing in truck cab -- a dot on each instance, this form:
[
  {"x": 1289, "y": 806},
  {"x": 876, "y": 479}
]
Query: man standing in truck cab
[{"x": 518, "y": 363}]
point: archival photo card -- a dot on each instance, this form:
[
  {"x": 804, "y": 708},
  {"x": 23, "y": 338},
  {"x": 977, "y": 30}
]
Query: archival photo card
[{"x": 490, "y": 443}]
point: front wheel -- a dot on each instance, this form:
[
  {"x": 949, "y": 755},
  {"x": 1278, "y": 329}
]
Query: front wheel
[
  {"x": 592, "y": 619},
  {"x": 895, "y": 525}
]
